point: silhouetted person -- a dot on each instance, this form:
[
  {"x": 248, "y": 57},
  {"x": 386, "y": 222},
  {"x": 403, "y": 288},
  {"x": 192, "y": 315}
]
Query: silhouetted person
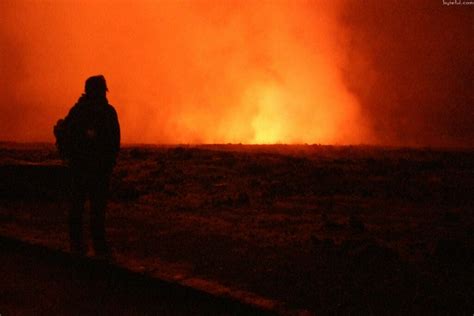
[{"x": 89, "y": 141}]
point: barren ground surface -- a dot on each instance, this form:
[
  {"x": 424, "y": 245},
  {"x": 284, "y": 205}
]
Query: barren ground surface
[
  {"x": 41, "y": 281},
  {"x": 322, "y": 228}
]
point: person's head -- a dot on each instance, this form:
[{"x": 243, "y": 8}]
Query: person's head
[{"x": 96, "y": 86}]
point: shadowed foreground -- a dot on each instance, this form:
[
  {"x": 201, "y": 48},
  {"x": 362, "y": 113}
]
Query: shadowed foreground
[
  {"x": 37, "y": 281},
  {"x": 326, "y": 229}
]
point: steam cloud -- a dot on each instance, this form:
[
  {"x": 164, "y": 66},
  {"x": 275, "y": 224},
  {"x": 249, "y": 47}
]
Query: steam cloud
[{"x": 250, "y": 71}]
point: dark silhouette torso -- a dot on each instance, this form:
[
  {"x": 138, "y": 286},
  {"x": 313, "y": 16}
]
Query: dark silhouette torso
[{"x": 91, "y": 147}]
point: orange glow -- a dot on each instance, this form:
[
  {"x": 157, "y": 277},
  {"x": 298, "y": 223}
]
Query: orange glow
[
  {"x": 269, "y": 122},
  {"x": 186, "y": 72}
]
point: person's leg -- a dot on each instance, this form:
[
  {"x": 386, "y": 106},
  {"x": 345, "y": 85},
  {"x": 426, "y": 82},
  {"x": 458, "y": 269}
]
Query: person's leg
[
  {"x": 76, "y": 212},
  {"x": 98, "y": 198}
]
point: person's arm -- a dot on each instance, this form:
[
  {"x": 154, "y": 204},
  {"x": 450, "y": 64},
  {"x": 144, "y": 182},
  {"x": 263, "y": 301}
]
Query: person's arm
[{"x": 116, "y": 133}]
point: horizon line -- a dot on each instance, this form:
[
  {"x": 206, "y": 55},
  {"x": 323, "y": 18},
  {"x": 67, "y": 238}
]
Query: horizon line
[{"x": 132, "y": 144}]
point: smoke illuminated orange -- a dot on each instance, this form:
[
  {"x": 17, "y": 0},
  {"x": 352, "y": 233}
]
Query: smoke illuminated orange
[{"x": 187, "y": 72}]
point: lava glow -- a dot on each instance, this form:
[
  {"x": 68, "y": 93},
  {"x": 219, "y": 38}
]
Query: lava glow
[
  {"x": 269, "y": 122},
  {"x": 188, "y": 72}
]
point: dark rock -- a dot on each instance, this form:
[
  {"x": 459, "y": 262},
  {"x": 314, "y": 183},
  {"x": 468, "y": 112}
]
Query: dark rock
[
  {"x": 451, "y": 218},
  {"x": 356, "y": 224},
  {"x": 242, "y": 199},
  {"x": 181, "y": 153},
  {"x": 34, "y": 181},
  {"x": 256, "y": 169},
  {"x": 137, "y": 153},
  {"x": 125, "y": 191},
  {"x": 453, "y": 252}
]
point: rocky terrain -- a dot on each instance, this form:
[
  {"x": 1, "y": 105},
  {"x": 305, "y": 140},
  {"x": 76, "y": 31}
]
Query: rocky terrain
[{"x": 326, "y": 229}]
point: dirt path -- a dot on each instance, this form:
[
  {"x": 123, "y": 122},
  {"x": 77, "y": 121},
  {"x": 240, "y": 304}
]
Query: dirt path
[{"x": 39, "y": 281}]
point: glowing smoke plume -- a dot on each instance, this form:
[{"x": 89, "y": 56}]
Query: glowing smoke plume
[{"x": 182, "y": 72}]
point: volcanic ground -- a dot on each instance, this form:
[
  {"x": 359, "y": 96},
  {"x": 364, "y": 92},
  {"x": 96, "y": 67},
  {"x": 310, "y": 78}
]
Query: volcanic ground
[{"x": 326, "y": 229}]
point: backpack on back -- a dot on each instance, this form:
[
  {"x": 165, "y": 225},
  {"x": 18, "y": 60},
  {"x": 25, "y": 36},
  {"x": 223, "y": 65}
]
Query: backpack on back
[{"x": 87, "y": 135}]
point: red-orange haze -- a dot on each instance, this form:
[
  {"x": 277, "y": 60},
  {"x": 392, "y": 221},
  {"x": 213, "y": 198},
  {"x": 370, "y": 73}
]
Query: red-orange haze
[{"x": 182, "y": 71}]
